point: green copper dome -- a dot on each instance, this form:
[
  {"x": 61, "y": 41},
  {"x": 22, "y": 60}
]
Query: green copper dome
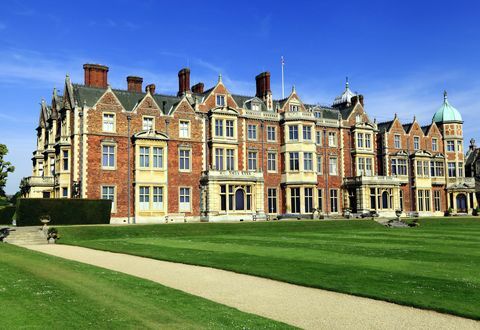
[{"x": 447, "y": 113}]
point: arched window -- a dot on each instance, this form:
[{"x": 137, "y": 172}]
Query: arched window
[
  {"x": 385, "y": 200},
  {"x": 239, "y": 199}
]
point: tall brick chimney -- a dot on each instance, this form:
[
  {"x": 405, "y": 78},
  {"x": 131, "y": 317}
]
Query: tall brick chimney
[
  {"x": 198, "y": 88},
  {"x": 263, "y": 84},
  {"x": 134, "y": 84},
  {"x": 183, "y": 81},
  {"x": 96, "y": 75}
]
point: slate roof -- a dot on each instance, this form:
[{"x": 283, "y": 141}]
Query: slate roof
[
  {"x": 128, "y": 99},
  {"x": 425, "y": 129},
  {"x": 406, "y": 127},
  {"x": 385, "y": 126}
]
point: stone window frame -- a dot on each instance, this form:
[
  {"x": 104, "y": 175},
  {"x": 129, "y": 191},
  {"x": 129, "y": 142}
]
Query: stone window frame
[
  {"x": 399, "y": 146},
  {"x": 255, "y": 131},
  {"x": 183, "y": 148},
  {"x": 114, "y": 121},
  {"x": 110, "y": 144},
  {"x": 114, "y": 202},
  {"x": 275, "y": 161},
  {"x": 189, "y": 128},
  {"x": 274, "y": 133},
  {"x": 143, "y": 122},
  {"x": 434, "y": 145},
  {"x": 275, "y": 198},
  {"x": 217, "y": 95},
  {"x": 190, "y": 195}
]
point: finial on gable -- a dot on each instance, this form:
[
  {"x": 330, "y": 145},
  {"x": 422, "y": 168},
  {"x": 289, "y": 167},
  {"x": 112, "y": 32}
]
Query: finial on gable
[
  {"x": 220, "y": 78},
  {"x": 396, "y": 116},
  {"x": 293, "y": 89},
  {"x": 346, "y": 82},
  {"x": 414, "y": 118}
]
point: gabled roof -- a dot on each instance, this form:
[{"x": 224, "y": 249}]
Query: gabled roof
[
  {"x": 385, "y": 126},
  {"x": 425, "y": 129},
  {"x": 128, "y": 99},
  {"x": 245, "y": 101},
  {"x": 345, "y": 112},
  {"x": 407, "y": 127}
]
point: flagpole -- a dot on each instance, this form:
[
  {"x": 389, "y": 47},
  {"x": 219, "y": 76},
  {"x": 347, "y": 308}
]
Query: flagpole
[{"x": 283, "y": 79}]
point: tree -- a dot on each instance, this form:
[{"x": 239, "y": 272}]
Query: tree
[
  {"x": 24, "y": 187},
  {"x": 5, "y": 168}
]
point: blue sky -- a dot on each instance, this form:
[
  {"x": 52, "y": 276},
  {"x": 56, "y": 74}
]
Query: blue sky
[{"x": 400, "y": 54}]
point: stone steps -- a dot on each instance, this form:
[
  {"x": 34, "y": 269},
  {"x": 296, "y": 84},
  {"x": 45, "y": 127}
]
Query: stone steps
[{"x": 26, "y": 236}]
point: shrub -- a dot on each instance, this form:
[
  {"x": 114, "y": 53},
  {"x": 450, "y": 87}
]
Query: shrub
[
  {"x": 63, "y": 211},
  {"x": 476, "y": 211},
  {"x": 6, "y": 214}
]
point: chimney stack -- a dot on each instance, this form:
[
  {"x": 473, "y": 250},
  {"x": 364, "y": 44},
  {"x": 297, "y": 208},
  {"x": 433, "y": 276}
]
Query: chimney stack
[
  {"x": 134, "y": 84},
  {"x": 96, "y": 75},
  {"x": 151, "y": 88},
  {"x": 198, "y": 88},
  {"x": 263, "y": 84},
  {"x": 183, "y": 81}
]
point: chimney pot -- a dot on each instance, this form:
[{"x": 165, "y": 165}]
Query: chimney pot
[
  {"x": 198, "y": 88},
  {"x": 95, "y": 75},
  {"x": 151, "y": 88},
  {"x": 183, "y": 81}
]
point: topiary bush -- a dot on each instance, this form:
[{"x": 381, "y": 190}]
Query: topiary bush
[
  {"x": 63, "y": 211},
  {"x": 6, "y": 214}
]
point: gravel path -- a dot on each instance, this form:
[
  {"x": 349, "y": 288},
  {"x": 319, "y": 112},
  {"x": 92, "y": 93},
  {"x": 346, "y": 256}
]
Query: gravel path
[{"x": 303, "y": 307}]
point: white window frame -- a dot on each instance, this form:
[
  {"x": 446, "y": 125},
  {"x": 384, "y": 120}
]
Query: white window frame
[
  {"x": 112, "y": 116},
  {"x": 144, "y": 157},
  {"x": 333, "y": 165},
  {"x": 272, "y": 199},
  {"x": 185, "y": 193},
  {"x": 308, "y": 161},
  {"x": 144, "y": 198},
  {"x": 109, "y": 166},
  {"x": 332, "y": 139},
  {"x": 271, "y": 131},
  {"x": 109, "y": 194},
  {"x": 189, "y": 158},
  {"x": 271, "y": 161},
  {"x": 157, "y": 194},
  {"x": 252, "y": 161},
  {"x": 157, "y": 158},
  {"x": 145, "y": 125},
  {"x": 221, "y": 97},
  {"x": 252, "y": 132},
  {"x": 181, "y": 129}
]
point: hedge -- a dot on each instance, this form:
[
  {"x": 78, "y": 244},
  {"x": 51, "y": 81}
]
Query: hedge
[
  {"x": 63, "y": 211},
  {"x": 6, "y": 214}
]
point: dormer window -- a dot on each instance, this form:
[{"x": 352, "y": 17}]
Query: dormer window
[
  {"x": 294, "y": 108},
  {"x": 220, "y": 100},
  {"x": 256, "y": 106}
]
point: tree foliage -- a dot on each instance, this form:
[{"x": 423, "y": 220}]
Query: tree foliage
[{"x": 5, "y": 168}]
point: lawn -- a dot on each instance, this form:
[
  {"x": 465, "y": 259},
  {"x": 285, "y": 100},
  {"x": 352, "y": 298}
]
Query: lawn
[
  {"x": 38, "y": 291},
  {"x": 434, "y": 266}
]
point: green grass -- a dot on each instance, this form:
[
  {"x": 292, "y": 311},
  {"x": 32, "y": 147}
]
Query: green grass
[
  {"x": 434, "y": 266},
  {"x": 38, "y": 291}
]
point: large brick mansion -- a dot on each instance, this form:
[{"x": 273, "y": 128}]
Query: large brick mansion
[{"x": 212, "y": 155}]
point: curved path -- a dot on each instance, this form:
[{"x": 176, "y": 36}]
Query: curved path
[{"x": 303, "y": 307}]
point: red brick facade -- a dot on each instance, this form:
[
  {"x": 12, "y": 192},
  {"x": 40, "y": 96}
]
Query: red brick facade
[{"x": 225, "y": 156}]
